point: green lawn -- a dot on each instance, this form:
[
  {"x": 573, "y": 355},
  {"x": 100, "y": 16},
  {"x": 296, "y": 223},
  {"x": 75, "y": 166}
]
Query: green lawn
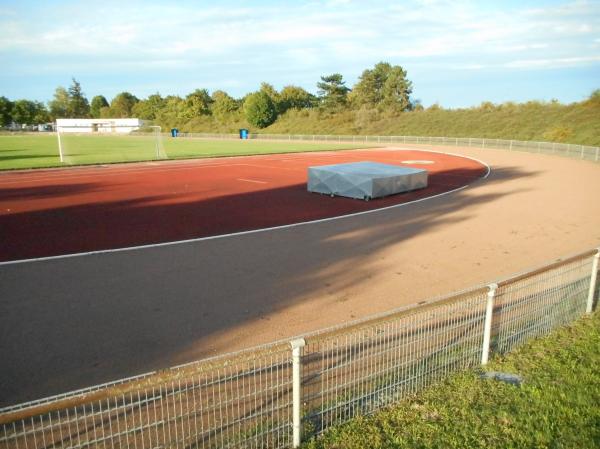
[
  {"x": 33, "y": 151},
  {"x": 558, "y": 405}
]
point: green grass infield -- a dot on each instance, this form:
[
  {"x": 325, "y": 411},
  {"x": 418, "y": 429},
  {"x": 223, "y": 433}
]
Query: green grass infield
[{"x": 36, "y": 151}]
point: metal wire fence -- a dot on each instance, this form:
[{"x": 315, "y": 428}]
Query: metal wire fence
[
  {"x": 268, "y": 397},
  {"x": 585, "y": 152}
]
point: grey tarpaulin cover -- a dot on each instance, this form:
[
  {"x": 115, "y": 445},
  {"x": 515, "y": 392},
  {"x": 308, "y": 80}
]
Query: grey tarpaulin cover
[{"x": 365, "y": 179}]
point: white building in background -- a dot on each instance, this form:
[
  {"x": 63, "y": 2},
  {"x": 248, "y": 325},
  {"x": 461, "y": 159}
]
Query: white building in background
[{"x": 98, "y": 125}]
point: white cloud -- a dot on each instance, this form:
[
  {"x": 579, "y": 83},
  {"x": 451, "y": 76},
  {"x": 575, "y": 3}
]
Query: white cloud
[
  {"x": 268, "y": 39},
  {"x": 552, "y": 63}
]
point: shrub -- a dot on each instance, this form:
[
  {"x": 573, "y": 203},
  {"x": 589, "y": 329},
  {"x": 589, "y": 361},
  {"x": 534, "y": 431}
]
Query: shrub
[{"x": 259, "y": 109}]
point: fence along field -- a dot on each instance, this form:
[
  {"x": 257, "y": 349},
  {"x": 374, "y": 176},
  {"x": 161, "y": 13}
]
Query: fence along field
[
  {"x": 275, "y": 395},
  {"x": 41, "y": 150}
]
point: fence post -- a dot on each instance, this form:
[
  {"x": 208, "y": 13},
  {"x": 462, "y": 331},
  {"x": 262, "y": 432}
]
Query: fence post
[
  {"x": 510, "y": 146},
  {"x": 297, "y": 346},
  {"x": 487, "y": 326},
  {"x": 597, "y": 148},
  {"x": 590, "y": 299}
]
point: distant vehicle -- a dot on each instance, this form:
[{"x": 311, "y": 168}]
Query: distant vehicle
[{"x": 45, "y": 127}]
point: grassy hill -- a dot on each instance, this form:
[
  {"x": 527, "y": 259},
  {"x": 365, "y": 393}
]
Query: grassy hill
[
  {"x": 577, "y": 123},
  {"x": 574, "y": 123}
]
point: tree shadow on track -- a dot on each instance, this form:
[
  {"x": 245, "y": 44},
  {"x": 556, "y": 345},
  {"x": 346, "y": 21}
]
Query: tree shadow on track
[
  {"x": 48, "y": 191},
  {"x": 80, "y": 321}
]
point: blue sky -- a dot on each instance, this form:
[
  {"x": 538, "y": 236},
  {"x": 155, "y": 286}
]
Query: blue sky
[{"x": 457, "y": 53}]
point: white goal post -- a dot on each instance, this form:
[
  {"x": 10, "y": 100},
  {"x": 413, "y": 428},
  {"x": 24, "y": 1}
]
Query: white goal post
[{"x": 108, "y": 140}]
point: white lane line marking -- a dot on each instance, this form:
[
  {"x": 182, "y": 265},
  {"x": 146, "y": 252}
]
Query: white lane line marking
[
  {"x": 113, "y": 173},
  {"x": 252, "y": 180},
  {"x": 256, "y": 231}
]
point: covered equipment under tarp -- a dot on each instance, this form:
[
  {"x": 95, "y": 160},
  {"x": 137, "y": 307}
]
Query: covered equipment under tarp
[{"x": 365, "y": 180}]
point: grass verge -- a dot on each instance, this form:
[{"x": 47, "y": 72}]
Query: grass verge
[{"x": 558, "y": 405}]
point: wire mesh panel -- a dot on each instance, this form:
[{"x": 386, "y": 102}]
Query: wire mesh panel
[
  {"x": 561, "y": 149},
  {"x": 359, "y": 370},
  {"x": 244, "y": 400},
  {"x": 241, "y": 402},
  {"x": 534, "y": 304}
]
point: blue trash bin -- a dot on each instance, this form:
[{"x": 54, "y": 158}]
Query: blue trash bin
[
  {"x": 174, "y": 132},
  {"x": 243, "y": 133}
]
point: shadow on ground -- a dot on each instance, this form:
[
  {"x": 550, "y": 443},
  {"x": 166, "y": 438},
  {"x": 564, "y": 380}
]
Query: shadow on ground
[{"x": 79, "y": 321}]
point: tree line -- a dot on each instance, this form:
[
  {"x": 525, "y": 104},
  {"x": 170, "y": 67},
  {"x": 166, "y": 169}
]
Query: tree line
[{"x": 384, "y": 87}]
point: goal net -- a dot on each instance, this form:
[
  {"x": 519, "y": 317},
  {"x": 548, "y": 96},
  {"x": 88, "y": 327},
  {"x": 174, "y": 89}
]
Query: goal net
[{"x": 103, "y": 141}]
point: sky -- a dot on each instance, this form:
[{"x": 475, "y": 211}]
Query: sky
[{"x": 457, "y": 53}]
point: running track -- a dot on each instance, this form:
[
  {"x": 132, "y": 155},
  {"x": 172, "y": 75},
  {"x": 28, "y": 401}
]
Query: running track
[
  {"x": 72, "y": 322},
  {"x": 64, "y": 211}
]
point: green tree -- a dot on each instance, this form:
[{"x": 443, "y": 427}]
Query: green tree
[
  {"x": 384, "y": 86},
  {"x": 173, "y": 113},
  {"x": 78, "y": 103},
  {"x": 149, "y": 108},
  {"x": 273, "y": 95},
  {"x": 98, "y": 102},
  {"x": 223, "y": 106},
  {"x": 5, "y": 111},
  {"x": 294, "y": 97},
  {"x": 198, "y": 103},
  {"x": 122, "y": 105},
  {"x": 332, "y": 91},
  {"x": 59, "y": 105},
  {"x": 259, "y": 109},
  {"x": 26, "y": 112},
  {"x": 41, "y": 114}
]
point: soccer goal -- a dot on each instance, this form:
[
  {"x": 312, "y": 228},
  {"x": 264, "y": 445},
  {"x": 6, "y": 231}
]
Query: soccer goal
[{"x": 89, "y": 141}]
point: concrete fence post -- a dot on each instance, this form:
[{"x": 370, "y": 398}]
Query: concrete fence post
[
  {"x": 597, "y": 149},
  {"x": 594, "y": 278},
  {"x": 487, "y": 326},
  {"x": 297, "y": 346}
]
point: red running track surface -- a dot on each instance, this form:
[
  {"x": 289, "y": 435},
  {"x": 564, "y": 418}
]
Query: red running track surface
[{"x": 64, "y": 211}]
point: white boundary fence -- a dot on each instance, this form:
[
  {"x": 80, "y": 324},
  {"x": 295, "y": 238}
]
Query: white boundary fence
[
  {"x": 586, "y": 152},
  {"x": 276, "y": 395}
]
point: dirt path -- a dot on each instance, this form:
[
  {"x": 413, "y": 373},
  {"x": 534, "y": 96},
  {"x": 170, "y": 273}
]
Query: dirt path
[{"x": 91, "y": 319}]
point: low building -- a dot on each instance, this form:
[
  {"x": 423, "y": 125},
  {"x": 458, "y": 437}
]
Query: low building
[{"x": 98, "y": 125}]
